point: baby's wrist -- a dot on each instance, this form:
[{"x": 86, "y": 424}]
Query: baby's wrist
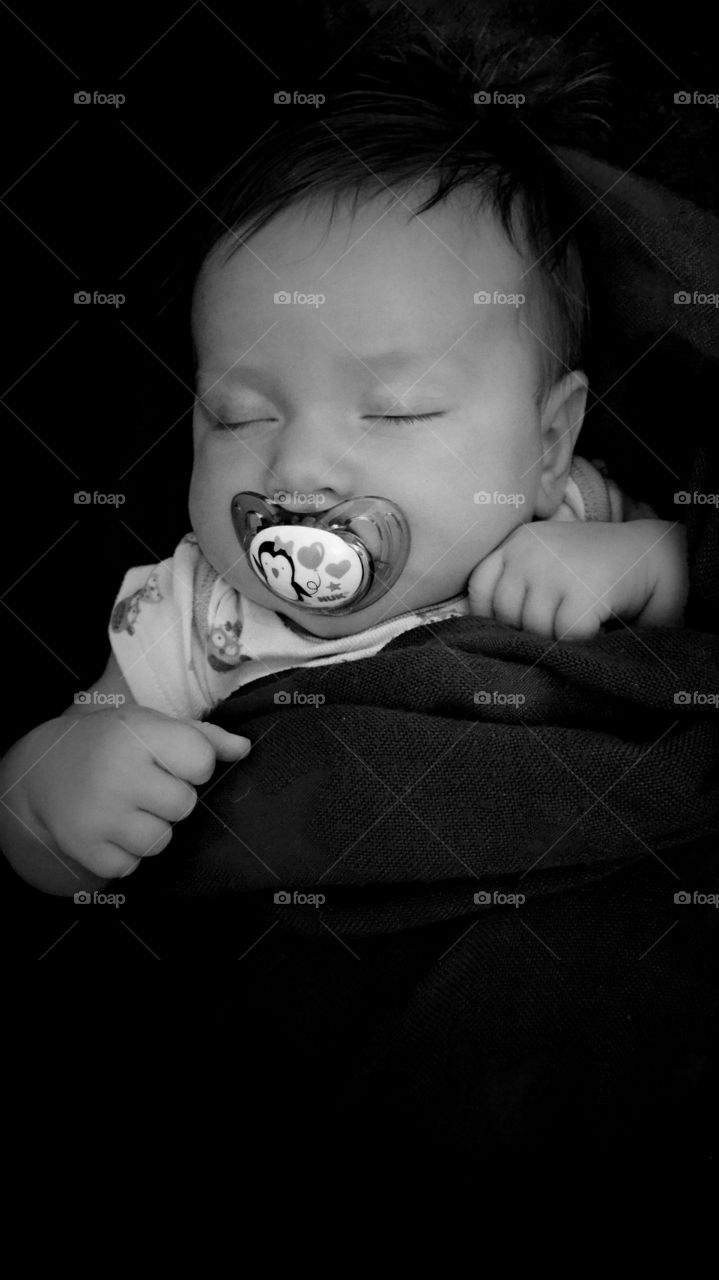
[{"x": 665, "y": 571}]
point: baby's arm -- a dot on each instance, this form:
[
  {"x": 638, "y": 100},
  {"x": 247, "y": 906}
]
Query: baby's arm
[
  {"x": 565, "y": 579},
  {"x": 85, "y": 796}
]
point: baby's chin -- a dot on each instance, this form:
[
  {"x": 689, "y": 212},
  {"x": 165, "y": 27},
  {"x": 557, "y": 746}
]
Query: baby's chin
[
  {"x": 393, "y": 604},
  {"x": 327, "y": 627}
]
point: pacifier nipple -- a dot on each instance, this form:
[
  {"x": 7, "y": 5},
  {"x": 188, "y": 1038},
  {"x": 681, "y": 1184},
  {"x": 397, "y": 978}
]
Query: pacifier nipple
[{"x": 337, "y": 562}]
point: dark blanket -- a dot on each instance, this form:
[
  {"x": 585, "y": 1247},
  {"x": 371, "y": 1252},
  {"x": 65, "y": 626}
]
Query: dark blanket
[
  {"x": 572, "y": 1001},
  {"x": 463, "y": 755}
]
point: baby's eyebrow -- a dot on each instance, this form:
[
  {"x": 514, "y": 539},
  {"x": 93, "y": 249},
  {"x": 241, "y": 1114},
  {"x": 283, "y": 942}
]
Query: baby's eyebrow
[
  {"x": 437, "y": 363},
  {"x": 438, "y": 366},
  {"x": 401, "y": 357}
]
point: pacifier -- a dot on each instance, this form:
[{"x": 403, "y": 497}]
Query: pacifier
[{"x": 337, "y": 562}]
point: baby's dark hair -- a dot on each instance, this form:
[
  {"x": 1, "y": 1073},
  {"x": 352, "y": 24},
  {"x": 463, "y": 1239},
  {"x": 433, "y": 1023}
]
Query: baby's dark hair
[{"x": 399, "y": 115}]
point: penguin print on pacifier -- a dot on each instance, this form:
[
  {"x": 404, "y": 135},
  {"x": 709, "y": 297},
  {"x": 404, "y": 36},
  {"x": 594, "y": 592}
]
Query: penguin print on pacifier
[{"x": 337, "y": 562}]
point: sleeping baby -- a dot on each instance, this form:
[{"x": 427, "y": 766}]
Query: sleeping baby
[{"x": 389, "y": 395}]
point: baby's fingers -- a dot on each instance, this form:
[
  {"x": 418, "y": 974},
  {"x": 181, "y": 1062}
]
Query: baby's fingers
[
  {"x": 509, "y": 597},
  {"x": 539, "y": 611},
  {"x": 142, "y": 834},
  {"x": 227, "y": 746},
  {"x": 483, "y": 583},
  {"x": 559, "y": 616},
  {"x": 109, "y": 860},
  {"x": 574, "y": 621}
]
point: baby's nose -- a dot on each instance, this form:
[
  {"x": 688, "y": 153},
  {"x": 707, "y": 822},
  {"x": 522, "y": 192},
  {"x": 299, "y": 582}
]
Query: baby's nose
[{"x": 311, "y": 455}]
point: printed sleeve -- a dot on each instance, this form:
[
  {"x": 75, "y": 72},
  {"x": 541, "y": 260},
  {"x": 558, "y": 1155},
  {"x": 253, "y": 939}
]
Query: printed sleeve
[{"x": 151, "y": 635}]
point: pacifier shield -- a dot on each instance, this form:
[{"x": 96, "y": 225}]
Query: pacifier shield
[{"x": 337, "y": 562}]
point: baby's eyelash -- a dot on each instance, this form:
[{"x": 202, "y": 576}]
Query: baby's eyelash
[
  {"x": 215, "y": 420},
  {"x": 407, "y": 417},
  {"x": 234, "y": 426}
]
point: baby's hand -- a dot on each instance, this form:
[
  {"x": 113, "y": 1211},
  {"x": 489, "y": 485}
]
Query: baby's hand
[
  {"x": 565, "y": 579},
  {"x": 108, "y": 785}
]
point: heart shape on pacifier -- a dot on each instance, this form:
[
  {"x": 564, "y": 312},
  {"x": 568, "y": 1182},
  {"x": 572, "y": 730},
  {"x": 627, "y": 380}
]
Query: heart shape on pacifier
[
  {"x": 311, "y": 557},
  {"x": 334, "y": 563},
  {"x": 338, "y": 570}
]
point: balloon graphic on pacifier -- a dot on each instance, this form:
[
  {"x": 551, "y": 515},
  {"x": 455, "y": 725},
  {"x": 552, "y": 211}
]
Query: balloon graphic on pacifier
[{"x": 337, "y": 562}]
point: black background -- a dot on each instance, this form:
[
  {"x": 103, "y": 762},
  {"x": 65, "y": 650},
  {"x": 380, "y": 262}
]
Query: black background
[{"x": 98, "y": 398}]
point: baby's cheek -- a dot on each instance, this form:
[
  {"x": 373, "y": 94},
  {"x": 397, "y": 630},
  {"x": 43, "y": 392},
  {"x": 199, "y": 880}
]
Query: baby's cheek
[
  {"x": 210, "y": 522},
  {"x": 491, "y": 519},
  {"x": 199, "y": 491}
]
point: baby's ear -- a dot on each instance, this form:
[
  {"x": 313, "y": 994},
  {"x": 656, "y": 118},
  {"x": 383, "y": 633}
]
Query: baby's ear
[{"x": 561, "y": 420}]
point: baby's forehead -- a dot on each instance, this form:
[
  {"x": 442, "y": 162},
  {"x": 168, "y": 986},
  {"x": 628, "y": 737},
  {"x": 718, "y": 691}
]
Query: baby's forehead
[
  {"x": 459, "y": 242},
  {"x": 380, "y": 272}
]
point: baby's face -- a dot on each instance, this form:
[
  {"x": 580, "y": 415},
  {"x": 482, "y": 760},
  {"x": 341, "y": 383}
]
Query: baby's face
[{"x": 315, "y": 395}]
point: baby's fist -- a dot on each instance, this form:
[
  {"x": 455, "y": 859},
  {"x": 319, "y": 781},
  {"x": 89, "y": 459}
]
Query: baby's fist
[{"x": 546, "y": 577}]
